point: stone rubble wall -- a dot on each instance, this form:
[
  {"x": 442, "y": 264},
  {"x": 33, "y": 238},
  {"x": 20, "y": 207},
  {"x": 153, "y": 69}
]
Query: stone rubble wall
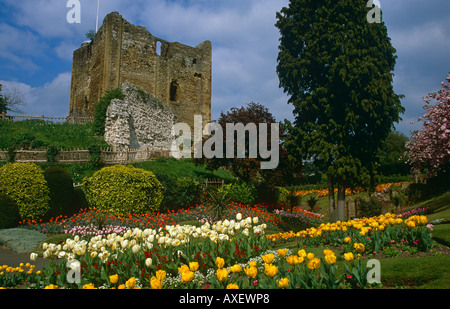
[{"x": 138, "y": 121}]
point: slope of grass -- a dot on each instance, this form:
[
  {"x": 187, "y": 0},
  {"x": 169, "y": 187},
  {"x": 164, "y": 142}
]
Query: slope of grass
[
  {"x": 431, "y": 272},
  {"x": 38, "y": 133}
]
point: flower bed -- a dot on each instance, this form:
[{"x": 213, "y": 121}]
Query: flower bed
[{"x": 233, "y": 253}]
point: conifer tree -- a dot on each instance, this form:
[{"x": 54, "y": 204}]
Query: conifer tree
[{"x": 337, "y": 68}]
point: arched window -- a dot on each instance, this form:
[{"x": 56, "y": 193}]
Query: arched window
[{"x": 158, "y": 48}]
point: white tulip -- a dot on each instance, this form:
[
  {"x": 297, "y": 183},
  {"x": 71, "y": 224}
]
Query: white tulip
[
  {"x": 148, "y": 262},
  {"x": 33, "y": 256},
  {"x": 135, "y": 249},
  {"x": 93, "y": 254},
  {"x": 239, "y": 217},
  {"x": 255, "y": 220}
]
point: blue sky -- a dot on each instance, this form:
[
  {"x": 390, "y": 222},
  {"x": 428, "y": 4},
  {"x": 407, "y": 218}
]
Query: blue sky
[{"x": 37, "y": 44}]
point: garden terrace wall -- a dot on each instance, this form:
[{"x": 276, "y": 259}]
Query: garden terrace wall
[{"x": 107, "y": 155}]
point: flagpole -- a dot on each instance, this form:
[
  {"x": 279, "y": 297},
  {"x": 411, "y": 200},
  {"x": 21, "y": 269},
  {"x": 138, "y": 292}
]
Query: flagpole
[{"x": 96, "y": 24}]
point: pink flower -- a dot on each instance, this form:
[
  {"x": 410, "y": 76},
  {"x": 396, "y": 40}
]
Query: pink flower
[{"x": 430, "y": 226}]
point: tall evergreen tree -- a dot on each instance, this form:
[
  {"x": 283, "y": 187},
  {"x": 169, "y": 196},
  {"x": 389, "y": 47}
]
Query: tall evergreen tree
[{"x": 337, "y": 69}]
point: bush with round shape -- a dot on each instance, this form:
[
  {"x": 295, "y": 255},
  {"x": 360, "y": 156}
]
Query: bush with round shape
[
  {"x": 26, "y": 185},
  {"x": 123, "y": 190},
  {"x": 62, "y": 194},
  {"x": 9, "y": 212}
]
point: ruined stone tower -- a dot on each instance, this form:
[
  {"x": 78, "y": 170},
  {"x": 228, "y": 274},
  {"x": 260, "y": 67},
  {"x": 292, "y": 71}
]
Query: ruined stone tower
[{"x": 176, "y": 74}]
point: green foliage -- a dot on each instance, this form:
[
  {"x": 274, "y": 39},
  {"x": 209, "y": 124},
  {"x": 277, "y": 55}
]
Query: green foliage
[
  {"x": 39, "y": 134},
  {"x": 282, "y": 195},
  {"x": 369, "y": 207},
  {"x": 25, "y": 183},
  {"x": 312, "y": 201},
  {"x": 95, "y": 158},
  {"x": 62, "y": 194},
  {"x": 180, "y": 192},
  {"x": 123, "y": 190},
  {"x": 241, "y": 192},
  {"x": 52, "y": 152},
  {"x": 219, "y": 198},
  {"x": 336, "y": 68},
  {"x": 9, "y": 212},
  {"x": 102, "y": 106}
]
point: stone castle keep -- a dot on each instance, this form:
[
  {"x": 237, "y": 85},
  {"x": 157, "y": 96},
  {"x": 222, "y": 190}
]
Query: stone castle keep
[{"x": 177, "y": 75}]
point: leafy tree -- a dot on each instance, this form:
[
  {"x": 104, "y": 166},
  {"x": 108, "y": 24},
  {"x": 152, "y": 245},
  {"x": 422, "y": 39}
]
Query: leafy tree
[
  {"x": 248, "y": 169},
  {"x": 429, "y": 148},
  {"x": 391, "y": 155},
  {"x": 336, "y": 67}
]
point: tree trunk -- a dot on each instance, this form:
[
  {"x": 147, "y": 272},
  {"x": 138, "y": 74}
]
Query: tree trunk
[
  {"x": 340, "y": 211},
  {"x": 331, "y": 202}
]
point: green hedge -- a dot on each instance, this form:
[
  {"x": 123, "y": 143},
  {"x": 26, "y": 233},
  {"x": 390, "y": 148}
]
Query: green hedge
[
  {"x": 123, "y": 190},
  {"x": 26, "y": 185},
  {"x": 62, "y": 194},
  {"x": 9, "y": 212}
]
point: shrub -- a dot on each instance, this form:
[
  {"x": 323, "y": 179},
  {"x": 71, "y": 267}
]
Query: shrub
[
  {"x": 25, "y": 183},
  {"x": 282, "y": 195},
  {"x": 123, "y": 190},
  {"x": 62, "y": 194},
  {"x": 241, "y": 192},
  {"x": 369, "y": 207},
  {"x": 180, "y": 192},
  {"x": 52, "y": 152},
  {"x": 94, "y": 155},
  {"x": 101, "y": 108},
  {"x": 9, "y": 212}
]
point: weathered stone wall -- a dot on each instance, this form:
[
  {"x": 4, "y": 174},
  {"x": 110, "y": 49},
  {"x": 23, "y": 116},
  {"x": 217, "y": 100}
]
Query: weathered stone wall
[
  {"x": 138, "y": 121},
  {"x": 177, "y": 74}
]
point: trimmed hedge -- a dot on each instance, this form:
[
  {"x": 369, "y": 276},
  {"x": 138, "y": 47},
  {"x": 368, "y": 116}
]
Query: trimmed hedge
[
  {"x": 123, "y": 190},
  {"x": 9, "y": 212},
  {"x": 62, "y": 194},
  {"x": 25, "y": 183}
]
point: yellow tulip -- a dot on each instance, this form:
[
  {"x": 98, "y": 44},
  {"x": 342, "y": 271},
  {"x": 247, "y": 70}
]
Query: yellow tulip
[
  {"x": 283, "y": 283},
  {"x": 193, "y": 266},
  {"x": 220, "y": 262},
  {"x": 89, "y": 286},
  {"x": 359, "y": 247},
  {"x": 301, "y": 253},
  {"x": 292, "y": 260},
  {"x": 222, "y": 274},
  {"x": 187, "y": 276},
  {"x": 328, "y": 252},
  {"x": 270, "y": 270},
  {"x": 310, "y": 256},
  {"x": 348, "y": 256},
  {"x": 183, "y": 268},
  {"x": 131, "y": 283},
  {"x": 251, "y": 271},
  {"x": 232, "y": 286},
  {"x": 411, "y": 224},
  {"x": 347, "y": 240},
  {"x": 114, "y": 279},
  {"x": 156, "y": 284},
  {"x": 314, "y": 263},
  {"x": 236, "y": 268},
  {"x": 282, "y": 252},
  {"x": 268, "y": 258},
  {"x": 252, "y": 264},
  {"x": 330, "y": 259}
]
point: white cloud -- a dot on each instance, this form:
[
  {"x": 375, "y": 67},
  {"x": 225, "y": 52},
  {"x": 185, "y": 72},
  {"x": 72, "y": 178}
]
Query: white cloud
[{"x": 51, "y": 99}]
